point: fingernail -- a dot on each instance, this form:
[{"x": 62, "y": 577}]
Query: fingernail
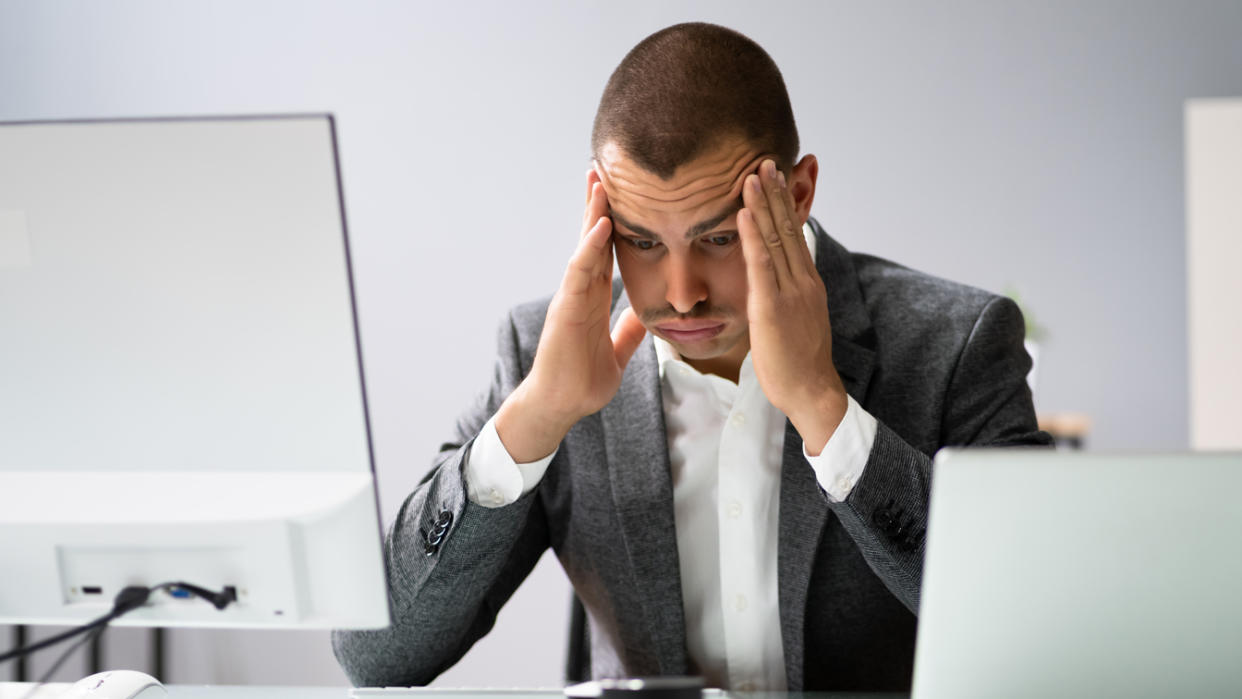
[
  {"x": 780, "y": 177},
  {"x": 755, "y": 185}
]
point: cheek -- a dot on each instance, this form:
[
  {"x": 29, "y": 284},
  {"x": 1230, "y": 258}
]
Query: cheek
[
  {"x": 639, "y": 279},
  {"x": 728, "y": 284}
]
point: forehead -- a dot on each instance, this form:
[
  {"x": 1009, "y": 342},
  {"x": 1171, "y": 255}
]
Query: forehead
[{"x": 698, "y": 190}]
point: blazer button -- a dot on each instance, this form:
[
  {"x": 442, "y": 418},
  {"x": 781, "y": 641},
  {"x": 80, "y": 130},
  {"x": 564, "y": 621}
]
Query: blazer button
[
  {"x": 429, "y": 549},
  {"x": 885, "y": 518},
  {"x": 882, "y": 519},
  {"x": 445, "y": 519}
]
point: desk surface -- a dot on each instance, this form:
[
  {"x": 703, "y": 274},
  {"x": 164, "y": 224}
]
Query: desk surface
[{"x": 19, "y": 690}]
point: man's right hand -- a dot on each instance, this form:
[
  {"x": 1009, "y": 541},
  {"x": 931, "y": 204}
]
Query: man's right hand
[{"x": 578, "y": 364}]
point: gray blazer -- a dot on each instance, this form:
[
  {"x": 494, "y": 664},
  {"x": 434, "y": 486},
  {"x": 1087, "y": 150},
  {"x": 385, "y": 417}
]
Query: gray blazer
[{"x": 936, "y": 363}]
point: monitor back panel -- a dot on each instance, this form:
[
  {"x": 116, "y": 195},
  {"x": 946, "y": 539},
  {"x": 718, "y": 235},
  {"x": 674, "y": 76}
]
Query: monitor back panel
[{"x": 175, "y": 295}]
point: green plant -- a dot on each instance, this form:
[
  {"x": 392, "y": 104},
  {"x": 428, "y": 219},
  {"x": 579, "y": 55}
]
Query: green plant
[{"x": 1035, "y": 332}]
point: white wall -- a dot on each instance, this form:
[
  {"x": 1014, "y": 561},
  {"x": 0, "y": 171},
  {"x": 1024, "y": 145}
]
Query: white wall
[{"x": 998, "y": 143}]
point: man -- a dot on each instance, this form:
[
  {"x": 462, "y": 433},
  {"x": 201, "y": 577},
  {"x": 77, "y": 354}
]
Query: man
[{"x": 743, "y": 494}]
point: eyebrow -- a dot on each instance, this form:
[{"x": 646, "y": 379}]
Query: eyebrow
[{"x": 694, "y": 231}]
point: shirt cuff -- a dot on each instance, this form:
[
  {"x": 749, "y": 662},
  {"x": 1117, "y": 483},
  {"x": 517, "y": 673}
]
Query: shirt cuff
[
  {"x": 493, "y": 479},
  {"x": 839, "y": 466}
]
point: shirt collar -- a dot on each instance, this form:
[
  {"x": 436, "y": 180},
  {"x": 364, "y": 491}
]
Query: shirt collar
[{"x": 665, "y": 352}]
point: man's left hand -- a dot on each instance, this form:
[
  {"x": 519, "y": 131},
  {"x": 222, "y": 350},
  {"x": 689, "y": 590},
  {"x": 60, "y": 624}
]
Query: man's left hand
[{"x": 790, "y": 334}]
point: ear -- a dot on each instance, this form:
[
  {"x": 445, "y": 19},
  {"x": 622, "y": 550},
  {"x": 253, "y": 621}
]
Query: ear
[{"x": 802, "y": 185}]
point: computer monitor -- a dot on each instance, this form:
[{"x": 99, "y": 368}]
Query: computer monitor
[
  {"x": 1072, "y": 574},
  {"x": 181, "y": 387}
]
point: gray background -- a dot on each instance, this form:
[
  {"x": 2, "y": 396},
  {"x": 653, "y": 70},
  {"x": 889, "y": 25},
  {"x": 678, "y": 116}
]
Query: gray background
[{"x": 1037, "y": 146}]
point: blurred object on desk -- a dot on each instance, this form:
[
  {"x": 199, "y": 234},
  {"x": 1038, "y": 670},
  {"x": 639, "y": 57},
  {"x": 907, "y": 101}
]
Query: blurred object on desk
[{"x": 1068, "y": 430}]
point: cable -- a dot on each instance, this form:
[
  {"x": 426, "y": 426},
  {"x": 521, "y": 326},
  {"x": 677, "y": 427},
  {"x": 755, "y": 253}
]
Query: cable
[
  {"x": 61, "y": 660},
  {"x": 53, "y": 640},
  {"x": 127, "y": 600}
]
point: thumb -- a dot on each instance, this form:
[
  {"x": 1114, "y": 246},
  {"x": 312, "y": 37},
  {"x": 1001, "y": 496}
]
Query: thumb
[{"x": 626, "y": 336}]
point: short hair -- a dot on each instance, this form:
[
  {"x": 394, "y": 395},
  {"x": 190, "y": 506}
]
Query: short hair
[{"x": 681, "y": 90}]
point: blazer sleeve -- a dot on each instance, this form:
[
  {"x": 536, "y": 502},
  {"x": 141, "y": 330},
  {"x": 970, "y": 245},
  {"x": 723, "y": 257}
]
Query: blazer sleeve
[
  {"x": 988, "y": 403},
  {"x": 451, "y": 564}
]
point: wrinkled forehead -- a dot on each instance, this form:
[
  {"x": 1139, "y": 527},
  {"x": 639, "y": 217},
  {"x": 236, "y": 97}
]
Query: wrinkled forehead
[{"x": 698, "y": 189}]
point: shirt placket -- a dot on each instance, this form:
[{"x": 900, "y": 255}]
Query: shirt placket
[{"x": 739, "y": 458}]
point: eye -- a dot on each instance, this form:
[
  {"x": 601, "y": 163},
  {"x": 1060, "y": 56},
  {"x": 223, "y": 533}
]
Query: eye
[
  {"x": 641, "y": 243},
  {"x": 720, "y": 239}
]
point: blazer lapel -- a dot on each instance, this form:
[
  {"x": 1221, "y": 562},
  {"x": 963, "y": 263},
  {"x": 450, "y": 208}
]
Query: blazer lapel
[
  {"x": 853, "y": 337},
  {"x": 803, "y": 511},
  {"x": 642, "y": 492},
  {"x": 803, "y": 505}
]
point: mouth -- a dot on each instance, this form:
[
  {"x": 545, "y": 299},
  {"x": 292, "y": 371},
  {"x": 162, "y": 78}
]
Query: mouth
[{"x": 690, "y": 331}]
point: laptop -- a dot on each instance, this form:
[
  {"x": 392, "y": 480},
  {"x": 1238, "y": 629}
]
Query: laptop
[{"x": 1071, "y": 574}]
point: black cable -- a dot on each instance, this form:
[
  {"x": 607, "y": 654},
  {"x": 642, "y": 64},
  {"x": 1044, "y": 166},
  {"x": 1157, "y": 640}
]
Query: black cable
[
  {"x": 159, "y": 645},
  {"x": 19, "y": 640},
  {"x": 63, "y": 657},
  {"x": 53, "y": 640},
  {"x": 94, "y": 653},
  {"x": 126, "y": 601}
]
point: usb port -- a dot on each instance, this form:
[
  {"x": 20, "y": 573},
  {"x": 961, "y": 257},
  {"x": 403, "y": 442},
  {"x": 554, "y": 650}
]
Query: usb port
[{"x": 92, "y": 590}]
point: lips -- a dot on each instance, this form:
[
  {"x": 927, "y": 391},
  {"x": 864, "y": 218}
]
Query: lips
[{"x": 687, "y": 331}]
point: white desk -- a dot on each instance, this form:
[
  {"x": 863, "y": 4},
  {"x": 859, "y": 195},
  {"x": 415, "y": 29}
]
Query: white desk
[
  {"x": 17, "y": 690},
  {"x": 52, "y": 690}
]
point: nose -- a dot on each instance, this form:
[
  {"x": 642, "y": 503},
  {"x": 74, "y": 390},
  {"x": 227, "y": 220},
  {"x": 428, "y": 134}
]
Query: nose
[{"x": 684, "y": 286}]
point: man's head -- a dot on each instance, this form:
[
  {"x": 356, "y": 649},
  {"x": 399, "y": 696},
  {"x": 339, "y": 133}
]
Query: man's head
[
  {"x": 687, "y": 115},
  {"x": 685, "y": 87}
]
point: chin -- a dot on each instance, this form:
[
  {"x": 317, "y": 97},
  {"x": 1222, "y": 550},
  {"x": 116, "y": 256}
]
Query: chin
[{"x": 717, "y": 347}]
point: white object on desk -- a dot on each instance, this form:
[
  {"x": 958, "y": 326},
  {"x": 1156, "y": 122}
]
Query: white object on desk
[
  {"x": 19, "y": 690},
  {"x": 117, "y": 684}
]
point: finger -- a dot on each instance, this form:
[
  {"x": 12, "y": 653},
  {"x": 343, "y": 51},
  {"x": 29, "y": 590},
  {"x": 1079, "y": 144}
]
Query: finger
[
  {"x": 586, "y": 207},
  {"x": 761, "y": 214},
  {"x": 802, "y": 247},
  {"x": 591, "y": 260},
  {"x": 626, "y": 336},
  {"x": 760, "y": 277},
  {"x": 782, "y": 217},
  {"x": 610, "y": 250},
  {"x": 597, "y": 204}
]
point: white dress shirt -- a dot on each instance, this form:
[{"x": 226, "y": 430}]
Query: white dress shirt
[{"x": 725, "y": 444}]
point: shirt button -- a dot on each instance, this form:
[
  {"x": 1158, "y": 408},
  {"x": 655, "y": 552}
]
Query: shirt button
[
  {"x": 734, "y": 509},
  {"x": 738, "y": 419},
  {"x": 844, "y": 483},
  {"x": 740, "y": 603}
]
